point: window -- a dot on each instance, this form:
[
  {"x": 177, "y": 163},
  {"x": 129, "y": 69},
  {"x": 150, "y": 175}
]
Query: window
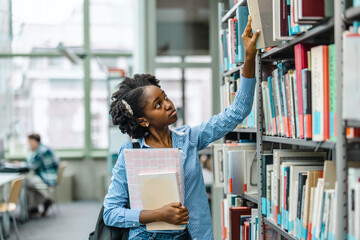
[{"x": 44, "y": 89}]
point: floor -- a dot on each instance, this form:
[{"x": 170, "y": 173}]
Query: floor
[{"x": 74, "y": 222}]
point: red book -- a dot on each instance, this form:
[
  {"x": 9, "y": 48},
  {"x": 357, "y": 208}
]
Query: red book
[
  {"x": 235, "y": 214},
  {"x": 301, "y": 62},
  {"x": 247, "y": 230},
  {"x": 311, "y": 8},
  {"x": 326, "y": 93}
]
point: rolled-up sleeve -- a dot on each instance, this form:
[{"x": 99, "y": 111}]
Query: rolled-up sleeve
[
  {"x": 219, "y": 125},
  {"x": 115, "y": 212}
]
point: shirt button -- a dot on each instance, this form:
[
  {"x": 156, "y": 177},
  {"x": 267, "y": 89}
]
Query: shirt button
[{"x": 133, "y": 224}]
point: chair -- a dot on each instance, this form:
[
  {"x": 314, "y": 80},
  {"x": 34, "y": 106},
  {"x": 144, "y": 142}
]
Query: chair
[
  {"x": 10, "y": 205},
  {"x": 52, "y": 189}
]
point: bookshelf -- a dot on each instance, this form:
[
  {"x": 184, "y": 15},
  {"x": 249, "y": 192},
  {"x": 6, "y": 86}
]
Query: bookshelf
[
  {"x": 274, "y": 226},
  {"x": 232, "y": 11},
  {"x": 329, "y": 30},
  {"x": 283, "y": 51},
  {"x": 232, "y": 71},
  {"x": 244, "y": 130},
  {"x": 300, "y": 142}
]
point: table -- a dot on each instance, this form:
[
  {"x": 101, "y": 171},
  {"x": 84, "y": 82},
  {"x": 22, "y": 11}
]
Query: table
[{"x": 5, "y": 180}]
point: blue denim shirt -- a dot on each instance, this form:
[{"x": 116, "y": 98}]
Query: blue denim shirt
[{"x": 190, "y": 140}]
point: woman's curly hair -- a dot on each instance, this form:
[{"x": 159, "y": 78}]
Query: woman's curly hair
[{"x": 132, "y": 91}]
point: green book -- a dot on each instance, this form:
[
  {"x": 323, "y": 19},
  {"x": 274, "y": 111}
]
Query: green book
[{"x": 332, "y": 91}]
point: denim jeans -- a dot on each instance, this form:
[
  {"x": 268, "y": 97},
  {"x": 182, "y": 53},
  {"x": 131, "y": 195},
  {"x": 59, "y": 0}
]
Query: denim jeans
[{"x": 162, "y": 236}]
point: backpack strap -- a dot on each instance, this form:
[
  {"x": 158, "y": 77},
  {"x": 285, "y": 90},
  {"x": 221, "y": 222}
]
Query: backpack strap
[{"x": 136, "y": 144}]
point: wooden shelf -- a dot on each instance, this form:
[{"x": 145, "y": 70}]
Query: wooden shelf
[
  {"x": 244, "y": 130},
  {"x": 274, "y": 226},
  {"x": 232, "y": 11},
  {"x": 232, "y": 71},
  {"x": 300, "y": 142},
  {"x": 285, "y": 50},
  {"x": 352, "y": 13}
]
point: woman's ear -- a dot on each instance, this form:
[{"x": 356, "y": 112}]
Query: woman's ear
[{"x": 143, "y": 122}]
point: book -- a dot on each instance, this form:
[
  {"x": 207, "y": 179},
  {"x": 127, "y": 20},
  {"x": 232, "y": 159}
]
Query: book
[
  {"x": 242, "y": 13},
  {"x": 157, "y": 190},
  {"x": 280, "y": 20},
  {"x": 309, "y": 12},
  {"x": 217, "y": 153},
  {"x": 266, "y": 159},
  {"x": 306, "y": 77},
  {"x": 320, "y": 92},
  {"x": 301, "y": 62},
  {"x": 353, "y": 178},
  {"x": 235, "y": 214},
  {"x": 231, "y": 147},
  {"x": 261, "y": 12},
  {"x": 146, "y": 161},
  {"x": 351, "y": 55},
  {"x": 332, "y": 92}
]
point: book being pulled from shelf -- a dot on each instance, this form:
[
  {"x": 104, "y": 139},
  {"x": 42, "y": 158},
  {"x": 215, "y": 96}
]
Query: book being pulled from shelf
[{"x": 300, "y": 100}]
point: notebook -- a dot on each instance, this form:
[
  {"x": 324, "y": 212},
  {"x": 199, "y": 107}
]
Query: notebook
[
  {"x": 157, "y": 190},
  {"x": 146, "y": 161}
]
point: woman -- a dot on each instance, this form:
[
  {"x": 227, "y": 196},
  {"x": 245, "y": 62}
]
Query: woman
[{"x": 144, "y": 112}]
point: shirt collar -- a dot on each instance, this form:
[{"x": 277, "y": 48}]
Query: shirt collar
[{"x": 143, "y": 144}]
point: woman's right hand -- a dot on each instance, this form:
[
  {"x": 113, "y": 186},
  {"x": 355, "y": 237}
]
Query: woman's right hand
[{"x": 174, "y": 213}]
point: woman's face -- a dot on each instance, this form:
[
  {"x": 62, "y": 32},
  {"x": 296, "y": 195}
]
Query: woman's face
[{"x": 159, "y": 109}]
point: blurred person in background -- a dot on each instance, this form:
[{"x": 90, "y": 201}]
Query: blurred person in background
[{"x": 44, "y": 165}]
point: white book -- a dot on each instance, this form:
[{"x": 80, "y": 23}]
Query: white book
[
  {"x": 236, "y": 172},
  {"x": 217, "y": 150},
  {"x": 292, "y": 103},
  {"x": 351, "y": 71},
  {"x": 254, "y": 215},
  {"x": 319, "y": 208},
  {"x": 273, "y": 198},
  {"x": 250, "y": 180},
  {"x": 264, "y": 102},
  {"x": 158, "y": 190},
  {"x": 317, "y": 93},
  {"x": 357, "y": 210},
  {"x": 353, "y": 176},
  {"x": 261, "y": 12},
  {"x": 230, "y": 147}
]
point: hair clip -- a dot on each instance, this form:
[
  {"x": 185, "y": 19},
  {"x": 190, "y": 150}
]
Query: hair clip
[{"x": 127, "y": 106}]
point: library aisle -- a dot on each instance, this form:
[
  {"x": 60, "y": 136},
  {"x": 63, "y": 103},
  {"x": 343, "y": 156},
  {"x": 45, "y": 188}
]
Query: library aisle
[{"x": 74, "y": 221}]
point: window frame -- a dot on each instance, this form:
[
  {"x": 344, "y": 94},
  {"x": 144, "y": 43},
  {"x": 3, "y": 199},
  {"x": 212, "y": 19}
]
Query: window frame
[{"x": 86, "y": 53}]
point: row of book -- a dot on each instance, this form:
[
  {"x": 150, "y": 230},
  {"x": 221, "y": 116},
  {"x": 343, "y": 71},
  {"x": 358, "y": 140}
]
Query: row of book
[
  {"x": 232, "y": 46},
  {"x": 240, "y": 220},
  {"x": 298, "y": 193},
  {"x": 300, "y": 101},
  {"x": 235, "y": 167},
  {"x": 228, "y": 91}
]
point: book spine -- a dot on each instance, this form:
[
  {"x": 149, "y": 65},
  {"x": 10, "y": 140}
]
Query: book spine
[
  {"x": 317, "y": 93},
  {"x": 273, "y": 117},
  {"x": 288, "y": 97},
  {"x": 332, "y": 92},
  {"x": 296, "y": 108},
  {"x": 308, "y": 113},
  {"x": 326, "y": 92}
]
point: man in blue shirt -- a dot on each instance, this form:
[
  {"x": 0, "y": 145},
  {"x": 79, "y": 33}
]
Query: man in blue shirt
[{"x": 44, "y": 164}]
